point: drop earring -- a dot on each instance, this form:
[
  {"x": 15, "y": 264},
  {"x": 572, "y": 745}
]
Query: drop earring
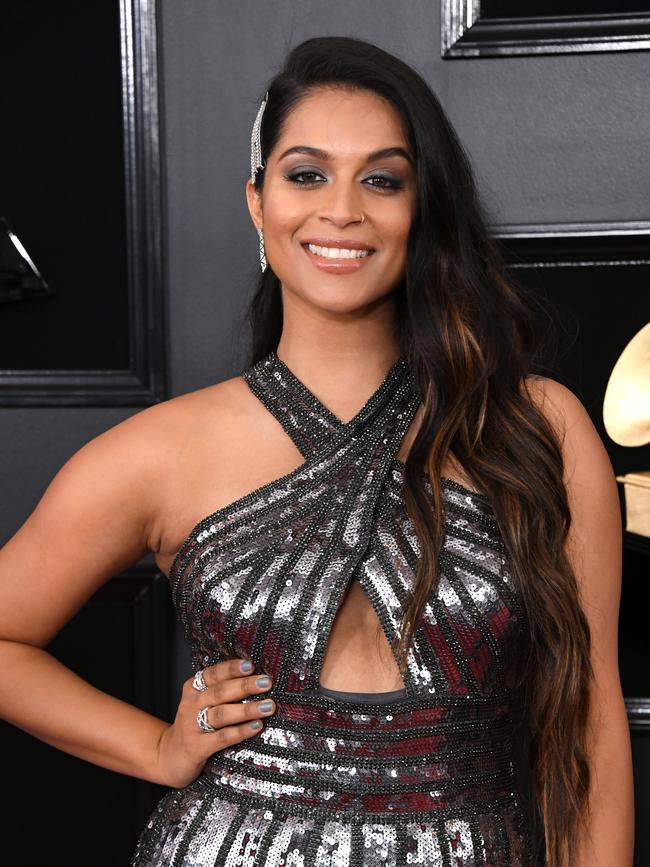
[
  {"x": 262, "y": 251},
  {"x": 257, "y": 164}
]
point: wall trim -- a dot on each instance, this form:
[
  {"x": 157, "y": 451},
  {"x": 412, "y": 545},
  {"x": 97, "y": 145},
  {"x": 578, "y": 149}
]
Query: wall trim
[
  {"x": 638, "y": 713},
  {"x": 577, "y": 229},
  {"x": 144, "y": 382},
  {"x": 465, "y": 35}
]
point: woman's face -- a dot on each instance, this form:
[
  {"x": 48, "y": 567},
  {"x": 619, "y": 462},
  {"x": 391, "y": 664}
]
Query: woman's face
[{"x": 321, "y": 197}]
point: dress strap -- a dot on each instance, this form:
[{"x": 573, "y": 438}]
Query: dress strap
[{"x": 309, "y": 423}]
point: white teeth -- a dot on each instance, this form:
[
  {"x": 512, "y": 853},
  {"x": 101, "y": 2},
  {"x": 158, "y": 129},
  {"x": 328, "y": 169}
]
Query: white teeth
[{"x": 337, "y": 252}]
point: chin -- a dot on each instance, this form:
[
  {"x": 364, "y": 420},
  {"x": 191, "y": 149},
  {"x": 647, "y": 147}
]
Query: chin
[{"x": 344, "y": 299}]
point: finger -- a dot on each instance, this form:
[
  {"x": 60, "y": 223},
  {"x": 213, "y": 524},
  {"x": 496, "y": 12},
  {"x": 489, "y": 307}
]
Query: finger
[
  {"x": 238, "y": 689},
  {"x": 223, "y": 691},
  {"x": 228, "y": 736},
  {"x": 224, "y": 715},
  {"x": 227, "y": 669},
  {"x": 217, "y": 674}
]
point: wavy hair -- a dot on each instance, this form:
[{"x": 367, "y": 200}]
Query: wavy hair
[{"x": 471, "y": 337}]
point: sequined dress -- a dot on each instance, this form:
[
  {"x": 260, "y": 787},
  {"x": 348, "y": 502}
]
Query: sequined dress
[{"x": 419, "y": 776}]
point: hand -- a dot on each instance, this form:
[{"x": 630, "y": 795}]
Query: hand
[{"x": 184, "y": 748}]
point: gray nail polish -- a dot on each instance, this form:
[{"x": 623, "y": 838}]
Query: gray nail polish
[
  {"x": 266, "y": 706},
  {"x": 263, "y": 681}
]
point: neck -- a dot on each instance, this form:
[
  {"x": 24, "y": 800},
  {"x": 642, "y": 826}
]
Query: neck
[
  {"x": 342, "y": 358},
  {"x": 343, "y": 381}
]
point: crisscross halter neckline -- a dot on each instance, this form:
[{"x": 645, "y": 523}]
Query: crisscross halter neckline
[
  {"x": 296, "y": 383},
  {"x": 306, "y": 419}
]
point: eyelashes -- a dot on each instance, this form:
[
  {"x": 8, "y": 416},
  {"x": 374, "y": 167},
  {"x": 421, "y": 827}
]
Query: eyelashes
[{"x": 391, "y": 183}]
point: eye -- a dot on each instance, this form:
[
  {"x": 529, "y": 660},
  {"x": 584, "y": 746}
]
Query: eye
[
  {"x": 294, "y": 178},
  {"x": 391, "y": 183}
]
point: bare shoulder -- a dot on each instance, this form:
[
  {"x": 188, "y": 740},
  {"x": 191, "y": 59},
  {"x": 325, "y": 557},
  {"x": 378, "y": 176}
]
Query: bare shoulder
[
  {"x": 144, "y": 450},
  {"x": 102, "y": 510},
  {"x": 172, "y": 429},
  {"x": 552, "y": 398},
  {"x": 214, "y": 444},
  {"x": 227, "y": 445},
  {"x": 168, "y": 429},
  {"x": 594, "y": 543},
  {"x": 183, "y": 439},
  {"x": 586, "y": 460}
]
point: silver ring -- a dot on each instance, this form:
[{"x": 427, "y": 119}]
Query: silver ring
[
  {"x": 202, "y": 720},
  {"x": 199, "y": 682}
]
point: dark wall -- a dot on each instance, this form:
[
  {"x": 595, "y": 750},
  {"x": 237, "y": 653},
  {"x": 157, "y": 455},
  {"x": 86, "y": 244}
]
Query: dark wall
[{"x": 553, "y": 139}]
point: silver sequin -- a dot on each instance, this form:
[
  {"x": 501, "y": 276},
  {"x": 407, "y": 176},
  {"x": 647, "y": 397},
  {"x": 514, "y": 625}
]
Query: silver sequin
[{"x": 426, "y": 779}]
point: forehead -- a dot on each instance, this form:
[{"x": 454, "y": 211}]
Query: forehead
[{"x": 343, "y": 122}]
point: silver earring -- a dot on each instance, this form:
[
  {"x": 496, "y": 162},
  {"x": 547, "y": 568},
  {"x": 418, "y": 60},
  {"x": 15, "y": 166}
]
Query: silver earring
[{"x": 260, "y": 232}]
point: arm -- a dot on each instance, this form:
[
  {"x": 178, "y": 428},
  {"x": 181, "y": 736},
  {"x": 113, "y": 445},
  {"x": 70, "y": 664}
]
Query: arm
[
  {"x": 594, "y": 546},
  {"x": 95, "y": 518}
]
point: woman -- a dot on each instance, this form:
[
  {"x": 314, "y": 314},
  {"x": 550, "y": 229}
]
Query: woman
[{"x": 389, "y": 516}]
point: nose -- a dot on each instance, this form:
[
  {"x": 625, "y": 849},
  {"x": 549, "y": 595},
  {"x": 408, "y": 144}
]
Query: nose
[{"x": 340, "y": 203}]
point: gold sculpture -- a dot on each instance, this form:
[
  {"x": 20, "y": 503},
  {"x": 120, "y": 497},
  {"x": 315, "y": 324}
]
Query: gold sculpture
[{"x": 626, "y": 414}]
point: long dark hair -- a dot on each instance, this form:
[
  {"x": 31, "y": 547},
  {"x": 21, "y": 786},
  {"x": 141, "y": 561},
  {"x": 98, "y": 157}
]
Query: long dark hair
[{"x": 471, "y": 338}]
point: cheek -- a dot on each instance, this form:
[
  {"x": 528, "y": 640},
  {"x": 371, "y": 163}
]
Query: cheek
[
  {"x": 280, "y": 226},
  {"x": 395, "y": 229},
  {"x": 283, "y": 212}
]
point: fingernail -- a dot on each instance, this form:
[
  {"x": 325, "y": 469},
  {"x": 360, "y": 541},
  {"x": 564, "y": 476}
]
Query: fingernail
[
  {"x": 247, "y": 665},
  {"x": 255, "y": 724},
  {"x": 266, "y": 706},
  {"x": 263, "y": 681}
]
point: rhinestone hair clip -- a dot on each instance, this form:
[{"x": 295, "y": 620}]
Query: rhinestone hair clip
[{"x": 256, "y": 144}]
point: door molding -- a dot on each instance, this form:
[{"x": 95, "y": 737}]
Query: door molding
[
  {"x": 466, "y": 34},
  {"x": 143, "y": 382}
]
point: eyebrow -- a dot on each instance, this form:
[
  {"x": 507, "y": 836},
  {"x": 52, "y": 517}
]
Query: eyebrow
[{"x": 324, "y": 155}]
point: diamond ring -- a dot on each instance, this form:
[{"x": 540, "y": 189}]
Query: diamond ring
[
  {"x": 202, "y": 720},
  {"x": 199, "y": 683}
]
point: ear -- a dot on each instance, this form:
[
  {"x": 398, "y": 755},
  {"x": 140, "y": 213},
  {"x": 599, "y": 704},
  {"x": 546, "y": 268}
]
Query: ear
[{"x": 254, "y": 200}]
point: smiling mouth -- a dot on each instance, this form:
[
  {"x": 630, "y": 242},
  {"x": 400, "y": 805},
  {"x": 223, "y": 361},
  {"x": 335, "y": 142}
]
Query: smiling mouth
[{"x": 338, "y": 253}]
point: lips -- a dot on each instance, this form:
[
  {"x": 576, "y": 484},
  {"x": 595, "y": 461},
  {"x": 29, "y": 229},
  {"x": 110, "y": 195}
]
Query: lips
[
  {"x": 332, "y": 253},
  {"x": 338, "y": 242},
  {"x": 338, "y": 265}
]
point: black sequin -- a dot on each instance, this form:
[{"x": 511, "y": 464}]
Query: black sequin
[{"x": 423, "y": 776}]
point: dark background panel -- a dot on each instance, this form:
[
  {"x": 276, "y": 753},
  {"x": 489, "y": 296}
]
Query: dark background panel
[
  {"x": 59, "y": 809},
  {"x": 641, "y": 757},
  {"x": 591, "y": 296},
  {"x": 634, "y": 640},
  {"x": 553, "y": 139},
  {"x": 634, "y": 663},
  {"x": 62, "y": 183},
  {"x": 533, "y": 8}
]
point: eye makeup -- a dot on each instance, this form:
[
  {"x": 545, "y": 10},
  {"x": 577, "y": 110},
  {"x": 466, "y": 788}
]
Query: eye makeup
[{"x": 387, "y": 182}]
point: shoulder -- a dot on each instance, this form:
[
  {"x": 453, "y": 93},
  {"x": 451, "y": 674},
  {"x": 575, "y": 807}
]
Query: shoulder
[
  {"x": 587, "y": 463},
  {"x": 141, "y": 459},
  {"x": 588, "y": 470},
  {"x": 104, "y": 509},
  {"x": 594, "y": 542},
  {"x": 554, "y": 400},
  {"x": 168, "y": 426}
]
